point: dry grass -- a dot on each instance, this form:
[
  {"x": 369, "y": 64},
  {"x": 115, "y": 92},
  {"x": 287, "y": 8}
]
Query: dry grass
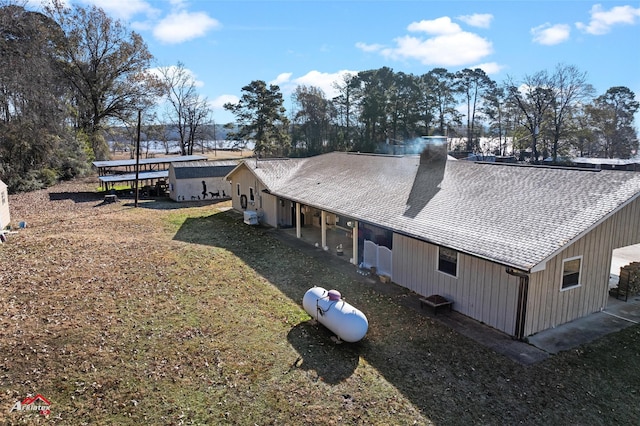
[{"x": 165, "y": 315}]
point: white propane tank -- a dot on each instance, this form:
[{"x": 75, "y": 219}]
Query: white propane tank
[{"x": 347, "y": 322}]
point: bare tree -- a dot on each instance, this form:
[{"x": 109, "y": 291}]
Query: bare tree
[
  {"x": 106, "y": 66},
  {"x": 571, "y": 90},
  {"x": 186, "y": 110},
  {"x": 197, "y": 113},
  {"x": 534, "y": 98}
]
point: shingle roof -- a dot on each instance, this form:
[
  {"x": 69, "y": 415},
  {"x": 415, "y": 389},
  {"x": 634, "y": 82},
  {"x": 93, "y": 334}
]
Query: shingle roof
[
  {"x": 203, "y": 169},
  {"x": 513, "y": 215}
]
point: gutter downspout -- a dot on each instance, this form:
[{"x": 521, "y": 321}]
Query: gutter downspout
[
  {"x": 323, "y": 228},
  {"x": 298, "y": 226},
  {"x": 354, "y": 242},
  {"x": 523, "y": 294}
]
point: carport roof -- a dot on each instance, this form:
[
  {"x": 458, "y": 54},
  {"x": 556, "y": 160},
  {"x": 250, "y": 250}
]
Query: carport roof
[
  {"x": 131, "y": 177},
  {"x": 514, "y": 215},
  {"x": 146, "y": 161}
]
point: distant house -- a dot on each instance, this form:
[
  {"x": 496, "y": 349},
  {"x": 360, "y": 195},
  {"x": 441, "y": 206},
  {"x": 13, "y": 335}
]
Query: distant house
[
  {"x": 520, "y": 248},
  {"x": 5, "y": 217},
  {"x": 195, "y": 180}
]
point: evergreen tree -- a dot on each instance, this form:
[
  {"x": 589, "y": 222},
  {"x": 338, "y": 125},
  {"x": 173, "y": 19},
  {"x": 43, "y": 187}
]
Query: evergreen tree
[
  {"x": 261, "y": 118},
  {"x": 611, "y": 116}
]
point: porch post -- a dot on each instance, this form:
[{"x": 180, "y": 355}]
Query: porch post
[
  {"x": 354, "y": 240},
  {"x": 323, "y": 227},
  {"x": 298, "y": 227}
]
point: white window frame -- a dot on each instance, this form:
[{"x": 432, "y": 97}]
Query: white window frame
[
  {"x": 562, "y": 274},
  {"x": 457, "y": 262}
]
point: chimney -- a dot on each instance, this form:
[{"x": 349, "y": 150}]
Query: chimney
[{"x": 435, "y": 150}]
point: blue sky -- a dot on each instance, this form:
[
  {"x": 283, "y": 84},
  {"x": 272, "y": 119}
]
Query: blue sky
[{"x": 227, "y": 44}]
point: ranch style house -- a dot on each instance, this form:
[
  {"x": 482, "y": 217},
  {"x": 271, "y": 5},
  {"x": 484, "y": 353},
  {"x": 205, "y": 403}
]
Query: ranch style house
[{"x": 520, "y": 248}]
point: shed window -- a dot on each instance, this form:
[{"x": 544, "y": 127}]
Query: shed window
[
  {"x": 571, "y": 269},
  {"x": 448, "y": 261},
  {"x": 251, "y": 196},
  {"x": 238, "y": 189}
]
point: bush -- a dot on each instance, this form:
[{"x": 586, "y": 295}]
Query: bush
[
  {"x": 27, "y": 183},
  {"x": 48, "y": 177}
]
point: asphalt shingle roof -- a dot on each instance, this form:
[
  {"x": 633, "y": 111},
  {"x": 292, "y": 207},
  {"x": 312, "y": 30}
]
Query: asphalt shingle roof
[
  {"x": 510, "y": 214},
  {"x": 203, "y": 169}
]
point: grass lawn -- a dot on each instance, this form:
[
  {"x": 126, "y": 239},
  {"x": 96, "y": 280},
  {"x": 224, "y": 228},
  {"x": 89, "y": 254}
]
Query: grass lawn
[{"x": 165, "y": 315}]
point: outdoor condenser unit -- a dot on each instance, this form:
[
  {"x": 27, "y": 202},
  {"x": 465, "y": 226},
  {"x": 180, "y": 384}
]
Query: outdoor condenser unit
[{"x": 251, "y": 217}]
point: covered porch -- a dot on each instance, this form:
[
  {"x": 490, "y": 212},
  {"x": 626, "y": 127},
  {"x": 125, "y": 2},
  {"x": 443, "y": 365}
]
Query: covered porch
[{"x": 326, "y": 230}]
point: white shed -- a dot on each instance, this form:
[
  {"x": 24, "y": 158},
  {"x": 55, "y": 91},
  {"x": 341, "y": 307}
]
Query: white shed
[
  {"x": 5, "y": 218},
  {"x": 200, "y": 180}
]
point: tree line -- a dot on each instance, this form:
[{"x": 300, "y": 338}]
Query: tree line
[
  {"x": 67, "y": 73},
  {"x": 546, "y": 114},
  {"x": 71, "y": 75}
]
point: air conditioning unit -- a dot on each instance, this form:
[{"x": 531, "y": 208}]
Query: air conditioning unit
[{"x": 251, "y": 217}]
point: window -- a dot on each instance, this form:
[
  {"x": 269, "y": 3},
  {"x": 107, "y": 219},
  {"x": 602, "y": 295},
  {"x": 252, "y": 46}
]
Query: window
[
  {"x": 251, "y": 196},
  {"x": 448, "y": 261},
  {"x": 571, "y": 272},
  {"x": 238, "y": 188}
]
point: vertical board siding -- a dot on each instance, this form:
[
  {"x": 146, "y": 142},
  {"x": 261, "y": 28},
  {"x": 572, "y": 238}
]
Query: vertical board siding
[
  {"x": 247, "y": 180},
  {"x": 269, "y": 206},
  {"x": 548, "y": 306},
  {"x": 482, "y": 290},
  {"x": 486, "y": 293},
  {"x": 629, "y": 219}
]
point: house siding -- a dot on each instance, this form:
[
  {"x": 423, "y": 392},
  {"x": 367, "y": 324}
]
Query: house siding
[
  {"x": 5, "y": 218},
  {"x": 482, "y": 290},
  {"x": 548, "y": 306},
  {"x": 190, "y": 188},
  {"x": 628, "y": 225},
  {"x": 269, "y": 208},
  {"x": 264, "y": 203}
]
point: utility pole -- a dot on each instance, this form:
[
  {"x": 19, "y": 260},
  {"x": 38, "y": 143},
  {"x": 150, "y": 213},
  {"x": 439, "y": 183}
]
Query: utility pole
[{"x": 137, "y": 157}]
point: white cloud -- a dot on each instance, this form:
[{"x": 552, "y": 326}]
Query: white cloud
[
  {"x": 439, "y": 26},
  {"x": 549, "y": 35},
  {"x": 448, "y": 45},
  {"x": 447, "y": 50},
  {"x": 488, "y": 67},
  {"x": 602, "y": 20},
  {"x": 285, "y": 77},
  {"x": 480, "y": 20},
  {"x": 369, "y": 47},
  {"x": 123, "y": 9},
  {"x": 217, "y": 103},
  {"x": 181, "y": 26},
  {"x": 322, "y": 80}
]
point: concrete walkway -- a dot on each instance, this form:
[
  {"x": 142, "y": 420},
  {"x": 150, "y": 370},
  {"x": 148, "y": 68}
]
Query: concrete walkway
[{"x": 617, "y": 315}]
